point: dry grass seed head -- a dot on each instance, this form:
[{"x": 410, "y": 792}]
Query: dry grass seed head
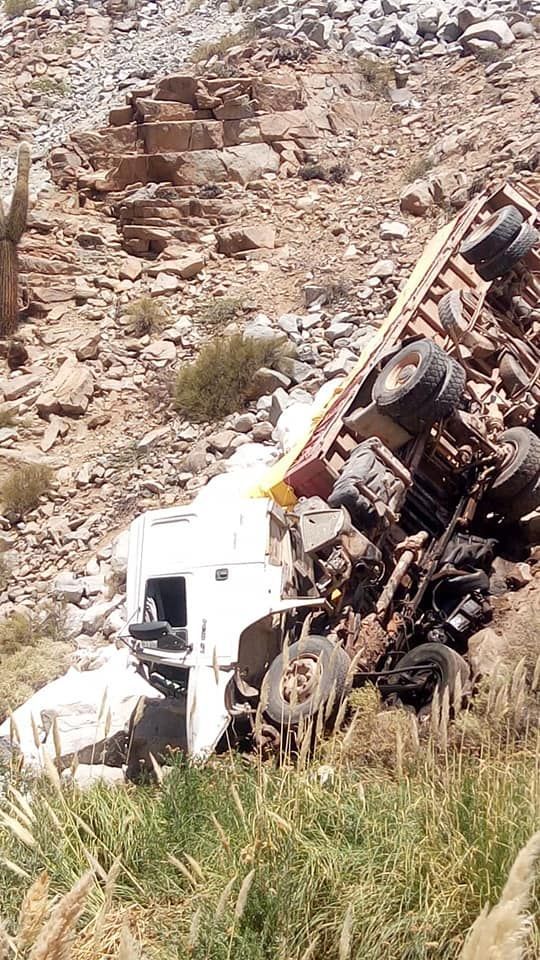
[
  {"x": 224, "y": 898},
  {"x": 243, "y": 895},
  {"x": 33, "y": 911},
  {"x": 54, "y": 941},
  {"x": 128, "y": 949},
  {"x": 500, "y": 932}
]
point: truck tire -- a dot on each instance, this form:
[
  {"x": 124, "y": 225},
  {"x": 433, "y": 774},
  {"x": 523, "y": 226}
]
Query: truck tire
[
  {"x": 492, "y": 236},
  {"x": 503, "y": 262},
  {"x": 445, "y": 663},
  {"x": 443, "y": 404},
  {"x": 527, "y": 501},
  {"x": 303, "y": 679},
  {"x": 521, "y": 467},
  {"x": 451, "y": 391},
  {"x": 512, "y": 374},
  {"x": 410, "y": 379},
  {"x": 450, "y": 310}
]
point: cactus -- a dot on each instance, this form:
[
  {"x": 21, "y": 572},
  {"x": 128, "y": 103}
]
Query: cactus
[{"x": 12, "y": 226}]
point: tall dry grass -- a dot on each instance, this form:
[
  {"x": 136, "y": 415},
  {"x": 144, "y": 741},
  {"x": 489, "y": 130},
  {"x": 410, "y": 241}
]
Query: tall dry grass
[{"x": 385, "y": 852}]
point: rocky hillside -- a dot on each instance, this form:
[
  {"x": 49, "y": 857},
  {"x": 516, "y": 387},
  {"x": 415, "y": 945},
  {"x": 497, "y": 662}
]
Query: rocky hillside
[{"x": 189, "y": 183}]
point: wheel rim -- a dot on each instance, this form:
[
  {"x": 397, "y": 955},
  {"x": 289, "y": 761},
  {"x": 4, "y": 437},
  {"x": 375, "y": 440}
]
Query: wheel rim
[
  {"x": 484, "y": 228},
  {"x": 403, "y": 371},
  {"x": 300, "y": 679},
  {"x": 510, "y": 454}
]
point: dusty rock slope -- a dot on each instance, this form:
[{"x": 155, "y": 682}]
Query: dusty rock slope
[{"x": 311, "y": 237}]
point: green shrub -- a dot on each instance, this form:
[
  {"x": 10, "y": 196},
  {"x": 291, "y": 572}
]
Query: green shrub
[
  {"x": 218, "y": 381},
  {"x": 51, "y": 85},
  {"x": 21, "y": 491}
]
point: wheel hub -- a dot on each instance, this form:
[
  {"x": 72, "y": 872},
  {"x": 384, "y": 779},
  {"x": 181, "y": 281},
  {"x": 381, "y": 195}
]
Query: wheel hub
[
  {"x": 403, "y": 371},
  {"x": 300, "y": 679}
]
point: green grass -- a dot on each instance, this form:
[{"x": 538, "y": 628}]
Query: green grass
[
  {"x": 416, "y": 857},
  {"x": 218, "y": 382},
  {"x": 386, "y": 845},
  {"x": 51, "y": 85}
]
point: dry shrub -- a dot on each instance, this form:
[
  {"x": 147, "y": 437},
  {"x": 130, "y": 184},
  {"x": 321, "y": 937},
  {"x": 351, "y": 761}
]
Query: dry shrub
[
  {"x": 418, "y": 169},
  {"x": 218, "y": 382},
  {"x": 145, "y": 317},
  {"x": 335, "y": 173},
  {"x": 381, "y": 738},
  {"x": 5, "y": 573},
  {"x": 16, "y": 8},
  {"x": 377, "y": 75},
  {"x": 34, "y": 650},
  {"x": 204, "y": 51},
  {"x": 8, "y": 417},
  {"x": 219, "y": 311},
  {"x": 21, "y": 491}
]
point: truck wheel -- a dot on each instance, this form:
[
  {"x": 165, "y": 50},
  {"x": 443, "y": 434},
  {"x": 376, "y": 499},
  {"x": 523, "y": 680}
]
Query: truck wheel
[
  {"x": 521, "y": 464},
  {"x": 450, "y": 309},
  {"x": 443, "y": 662},
  {"x": 527, "y": 501},
  {"x": 443, "y": 405},
  {"x": 413, "y": 376},
  {"x": 512, "y": 374},
  {"x": 303, "y": 678},
  {"x": 503, "y": 262},
  {"x": 492, "y": 236}
]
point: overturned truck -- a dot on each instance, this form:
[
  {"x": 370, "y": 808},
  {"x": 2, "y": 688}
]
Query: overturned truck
[{"x": 366, "y": 553}]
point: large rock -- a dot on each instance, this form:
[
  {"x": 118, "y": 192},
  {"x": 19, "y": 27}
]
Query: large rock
[
  {"x": 486, "y": 650},
  {"x": 232, "y": 240},
  {"x": 183, "y": 135},
  {"x": 241, "y": 163},
  {"x": 493, "y": 31},
  {"x": 150, "y": 111},
  {"x": 16, "y": 387},
  {"x": 265, "y": 381},
  {"x": 416, "y": 198},
  {"x": 69, "y": 392},
  {"x": 179, "y": 87},
  {"x": 274, "y": 97}
]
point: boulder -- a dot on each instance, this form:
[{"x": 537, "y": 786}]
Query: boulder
[
  {"x": 16, "y": 387},
  {"x": 182, "y": 135},
  {"x": 493, "y": 31},
  {"x": 274, "y": 97},
  {"x": 416, "y": 198},
  {"x": 185, "y": 267},
  {"x": 69, "y": 392},
  {"x": 130, "y": 269},
  {"x": 156, "y": 110},
  {"x": 179, "y": 87},
  {"x": 393, "y": 230},
  {"x": 237, "y": 239},
  {"x": 486, "y": 649},
  {"x": 266, "y": 381}
]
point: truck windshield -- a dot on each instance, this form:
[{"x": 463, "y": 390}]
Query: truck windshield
[{"x": 165, "y": 599}]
